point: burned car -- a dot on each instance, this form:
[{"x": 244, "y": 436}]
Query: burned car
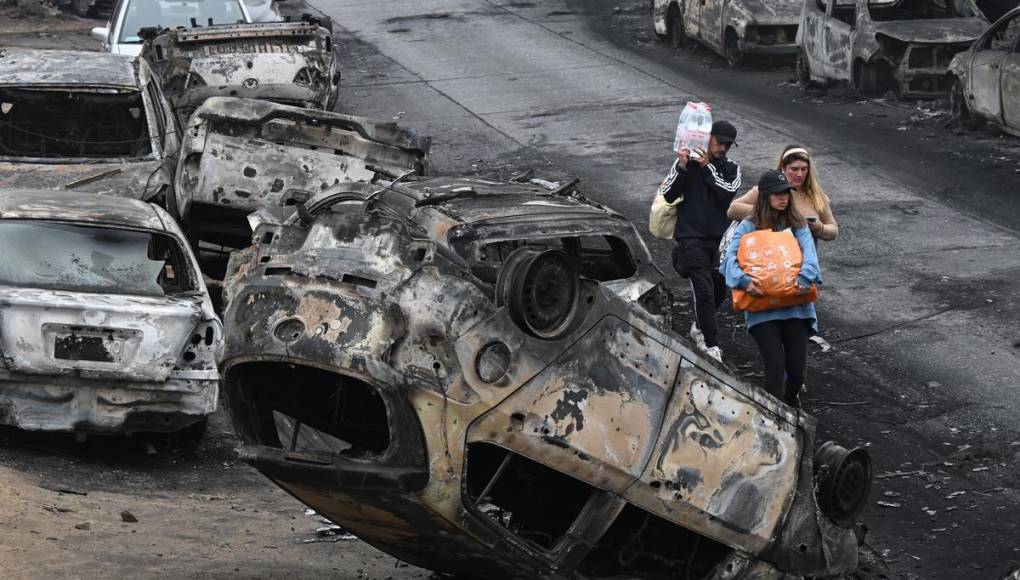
[
  {"x": 286, "y": 62},
  {"x": 107, "y": 326},
  {"x": 986, "y": 77},
  {"x": 732, "y": 28},
  {"x": 903, "y": 46},
  {"x": 240, "y": 155},
  {"x": 477, "y": 377},
  {"x": 84, "y": 121}
]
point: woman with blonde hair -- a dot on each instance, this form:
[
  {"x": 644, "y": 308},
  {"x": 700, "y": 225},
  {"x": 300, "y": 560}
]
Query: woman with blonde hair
[{"x": 808, "y": 197}]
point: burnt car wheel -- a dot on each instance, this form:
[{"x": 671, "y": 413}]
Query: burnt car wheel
[
  {"x": 843, "y": 482},
  {"x": 540, "y": 289},
  {"x": 677, "y": 34},
  {"x": 804, "y": 70},
  {"x": 958, "y": 106},
  {"x": 734, "y": 56}
]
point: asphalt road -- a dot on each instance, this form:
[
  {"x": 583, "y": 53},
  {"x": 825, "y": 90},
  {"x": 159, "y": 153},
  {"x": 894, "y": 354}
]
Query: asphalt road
[{"x": 918, "y": 301}]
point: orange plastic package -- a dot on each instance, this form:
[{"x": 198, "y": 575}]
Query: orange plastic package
[{"x": 773, "y": 259}]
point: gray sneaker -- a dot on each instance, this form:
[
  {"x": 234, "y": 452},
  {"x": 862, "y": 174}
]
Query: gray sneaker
[{"x": 697, "y": 336}]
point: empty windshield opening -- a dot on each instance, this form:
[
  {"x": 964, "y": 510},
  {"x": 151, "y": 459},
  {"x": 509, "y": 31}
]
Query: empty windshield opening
[
  {"x": 148, "y": 13},
  {"x": 920, "y": 10},
  {"x": 93, "y": 259},
  {"x": 599, "y": 257},
  {"x": 73, "y": 124}
]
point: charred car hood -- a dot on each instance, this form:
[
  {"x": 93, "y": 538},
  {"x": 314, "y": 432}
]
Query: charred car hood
[
  {"x": 941, "y": 31},
  {"x": 768, "y": 12},
  {"x": 122, "y": 179}
]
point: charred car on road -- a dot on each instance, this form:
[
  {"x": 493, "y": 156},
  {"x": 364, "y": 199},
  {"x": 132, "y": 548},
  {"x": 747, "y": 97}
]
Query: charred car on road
[
  {"x": 106, "y": 323},
  {"x": 477, "y": 377},
  {"x": 285, "y": 62},
  {"x": 734, "y": 29},
  {"x": 903, "y": 46},
  {"x": 239, "y": 155},
  {"x": 85, "y": 122},
  {"x": 986, "y": 77}
]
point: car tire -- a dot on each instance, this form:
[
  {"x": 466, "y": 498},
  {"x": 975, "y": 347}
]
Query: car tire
[
  {"x": 677, "y": 34},
  {"x": 959, "y": 108},
  {"x": 81, "y": 8},
  {"x": 803, "y": 68},
  {"x": 734, "y": 56},
  {"x": 865, "y": 78}
]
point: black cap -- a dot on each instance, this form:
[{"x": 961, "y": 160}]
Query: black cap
[
  {"x": 724, "y": 132},
  {"x": 773, "y": 181}
]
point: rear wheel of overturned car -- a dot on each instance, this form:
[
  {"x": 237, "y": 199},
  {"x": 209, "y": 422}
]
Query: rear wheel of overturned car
[
  {"x": 540, "y": 290},
  {"x": 734, "y": 56}
]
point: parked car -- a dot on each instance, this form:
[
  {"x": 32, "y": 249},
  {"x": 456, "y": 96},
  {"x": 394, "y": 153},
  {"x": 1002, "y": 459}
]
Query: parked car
[
  {"x": 478, "y": 377},
  {"x": 986, "y": 77},
  {"x": 732, "y": 28},
  {"x": 107, "y": 326},
  {"x": 121, "y": 33},
  {"x": 84, "y": 121},
  {"x": 292, "y": 63},
  {"x": 901, "y": 45},
  {"x": 239, "y": 155}
]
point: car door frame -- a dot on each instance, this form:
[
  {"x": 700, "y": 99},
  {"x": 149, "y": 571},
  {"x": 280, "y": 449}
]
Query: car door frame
[
  {"x": 692, "y": 17},
  {"x": 834, "y": 27},
  {"x": 1009, "y": 109}
]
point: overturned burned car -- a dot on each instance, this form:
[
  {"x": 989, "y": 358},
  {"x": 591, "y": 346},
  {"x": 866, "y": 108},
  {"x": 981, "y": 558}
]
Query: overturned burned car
[
  {"x": 239, "y": 155},
  {"x": 286, "y": 62},
  {"x": 476, "y": 377},
  {"x": 903, "y": 46},
  {"x": 84, "y": 121},
  {"x": 107, "y": 326}
]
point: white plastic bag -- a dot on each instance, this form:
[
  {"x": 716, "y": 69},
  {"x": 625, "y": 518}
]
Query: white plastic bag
[{"x": 693, "y": 128}]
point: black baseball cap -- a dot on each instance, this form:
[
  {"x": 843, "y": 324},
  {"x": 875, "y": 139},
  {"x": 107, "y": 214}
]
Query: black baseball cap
[
  {"x": 773, "y": 181},
  {"x": 724, "y": 132}
]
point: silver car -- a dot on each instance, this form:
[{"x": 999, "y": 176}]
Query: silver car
[
  {"x": 986, "y": 77},
  {"x": 107, "y": 325},
  {"x": 120, "y": 35}
]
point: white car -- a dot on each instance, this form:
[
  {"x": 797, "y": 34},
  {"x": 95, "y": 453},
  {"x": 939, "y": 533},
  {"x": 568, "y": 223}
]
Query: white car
[
  {"x": 120, "y": 35},
  {"x": 107, "y": 325}
]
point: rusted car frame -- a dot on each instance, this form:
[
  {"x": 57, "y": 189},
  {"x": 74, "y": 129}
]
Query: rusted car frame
[
  {"x": 986, "y": 77},
  {"x": 285, "y": 62},
  {"x": 84, "y": 121},
  {"x": 107, "y": 325},
  {"x": 732, "y": 28},
  {"x": 240, "y": 155},
  {"x": 903, "y": 46},
  {"x": 467, "y": 375}
]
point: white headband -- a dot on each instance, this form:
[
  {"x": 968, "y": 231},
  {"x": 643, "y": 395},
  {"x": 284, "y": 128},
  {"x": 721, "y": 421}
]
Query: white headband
[{"x": 796, "y": 150}]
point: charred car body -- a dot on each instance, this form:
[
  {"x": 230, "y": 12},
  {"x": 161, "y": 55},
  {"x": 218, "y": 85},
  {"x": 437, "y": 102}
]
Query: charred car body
[
  {"x": 902, "y": 45},
  {"x": 732, "y": 28},
  {"x": 239, "y": 155},
  {"x": 475, "y": 377},
  {"x": 84, "y": 121},
  {"x": 107, "y": 325},
  {"x": 285, "y": 62},
  {"x": 986, "y": 77}
]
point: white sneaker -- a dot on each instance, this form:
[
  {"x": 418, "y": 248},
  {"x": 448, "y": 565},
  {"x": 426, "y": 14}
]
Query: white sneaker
[
  {"x": 697, "y": 336},
  {"x": 714, "y": 352}
]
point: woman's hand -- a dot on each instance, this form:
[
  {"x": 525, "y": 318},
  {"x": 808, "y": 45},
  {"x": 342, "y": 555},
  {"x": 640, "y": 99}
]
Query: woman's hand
[
  {"x": 815, "y": 226},
  {"x": 754, "y": 290}
]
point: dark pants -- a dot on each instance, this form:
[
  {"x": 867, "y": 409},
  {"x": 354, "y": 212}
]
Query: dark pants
[
  {"x": 783, "y": 346},
  {"x": 698, "y": 259}
]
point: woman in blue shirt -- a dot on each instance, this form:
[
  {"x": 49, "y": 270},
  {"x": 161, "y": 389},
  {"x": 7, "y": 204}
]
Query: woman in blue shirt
[{"x": 782, "y": 333}]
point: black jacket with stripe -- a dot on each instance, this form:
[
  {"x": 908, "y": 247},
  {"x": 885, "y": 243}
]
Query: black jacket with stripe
[{"x": 707, "y": 193}]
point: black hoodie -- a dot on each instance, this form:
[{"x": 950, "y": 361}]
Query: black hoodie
[{"x": 707, "y": 193}]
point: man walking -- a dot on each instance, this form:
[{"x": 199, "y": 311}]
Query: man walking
[{"x": 708, "y": 182}]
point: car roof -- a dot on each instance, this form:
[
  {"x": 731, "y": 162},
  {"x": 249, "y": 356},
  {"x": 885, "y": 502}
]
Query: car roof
[
  {"x": 78, "y": 207},
  {"x": 21, "y": 66}
]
